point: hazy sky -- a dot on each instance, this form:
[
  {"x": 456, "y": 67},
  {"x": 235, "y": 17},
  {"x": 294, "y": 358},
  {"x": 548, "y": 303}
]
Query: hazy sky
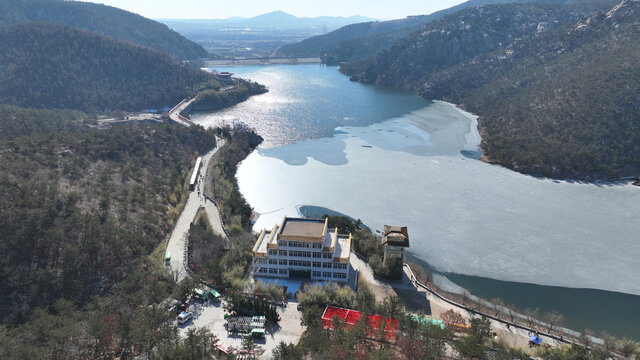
[{"x": 209, "y": 9}]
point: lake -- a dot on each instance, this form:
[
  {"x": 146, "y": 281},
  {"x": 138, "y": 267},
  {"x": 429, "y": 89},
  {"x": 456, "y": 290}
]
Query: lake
[{"x": 391, "y": 157}]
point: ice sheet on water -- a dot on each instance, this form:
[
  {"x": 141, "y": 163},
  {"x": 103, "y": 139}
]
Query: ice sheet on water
[{"x": 464, "y": 216}]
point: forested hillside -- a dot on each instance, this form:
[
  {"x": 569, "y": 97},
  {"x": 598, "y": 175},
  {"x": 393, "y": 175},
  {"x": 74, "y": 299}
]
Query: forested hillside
[
  {"x": 101, "y": 19},
  {"x": 314, "y": 46},
  {"x": 81, "y": 212},
  {"x": 552, "y": 100},
  {"x": 15, "y": 121},
  {"x": 55, "y": 66},
  {"x": 458, "y": 38},
  {"x": 358, "y": 41},
  {"x": 563, "y": 104}
]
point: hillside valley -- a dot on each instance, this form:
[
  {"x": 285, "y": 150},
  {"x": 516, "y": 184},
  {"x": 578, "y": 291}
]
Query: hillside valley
[
  {"x": 101, "y": 19},
  {"x": 259, "y": 36},
  {"x": 358, "y": 41},
  {"x": 54, "y": 66},
  {"x": 536, "y": 85},
  {"x": 139, "y": 191}
]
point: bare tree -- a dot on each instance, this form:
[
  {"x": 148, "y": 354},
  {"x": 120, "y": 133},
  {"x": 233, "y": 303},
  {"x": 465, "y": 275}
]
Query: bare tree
[
  {"x": 552, "y": 319},
  {"x": 422, "y": 276},
  {"x": 531, "y": 315},
  {"x": 512, "y": 312},
  {"x": 609, "y": 341},
  {"x": 498, "y": 306},
  {"x": 452, "y": 317},
  {"x": 465, "y": 296}
]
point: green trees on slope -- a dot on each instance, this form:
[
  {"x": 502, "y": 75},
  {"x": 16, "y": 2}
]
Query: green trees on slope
[
  {"x": 54, "y": 66},
  {"x": 101, "y": 19},
  {"x": 80, "y": 211}
]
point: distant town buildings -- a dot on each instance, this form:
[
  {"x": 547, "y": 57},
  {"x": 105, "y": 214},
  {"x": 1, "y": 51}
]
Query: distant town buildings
[{"x": 303, "y": 248}]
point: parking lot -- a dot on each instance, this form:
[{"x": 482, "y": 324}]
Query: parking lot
[{"x": 211, "y": 315}]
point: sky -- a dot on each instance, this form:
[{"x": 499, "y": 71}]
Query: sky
[{"x": 215, "y": 9}]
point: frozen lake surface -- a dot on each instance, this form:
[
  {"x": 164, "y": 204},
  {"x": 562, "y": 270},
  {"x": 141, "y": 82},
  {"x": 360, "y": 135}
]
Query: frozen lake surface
[{"x": 464, "y": 216}]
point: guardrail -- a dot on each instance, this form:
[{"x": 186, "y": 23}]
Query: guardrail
[
  {"x": 473, "y": 311},
  {"x": 175, "y": 107},
  {"x": 180, "y": 117},
  {"x": 224, "y": 228}
]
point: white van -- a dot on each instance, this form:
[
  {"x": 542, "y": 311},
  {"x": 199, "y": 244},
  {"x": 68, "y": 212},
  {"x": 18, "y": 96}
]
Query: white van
[{"x": 184, "y": 317}]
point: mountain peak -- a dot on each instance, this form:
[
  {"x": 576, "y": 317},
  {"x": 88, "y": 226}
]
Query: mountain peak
[{"x": 275, "y": 15}]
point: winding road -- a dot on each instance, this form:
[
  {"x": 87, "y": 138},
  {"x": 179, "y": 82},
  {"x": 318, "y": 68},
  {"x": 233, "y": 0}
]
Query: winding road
[
  {"x": 174, "y": 114},
  {"x": 196, "y": 200}
]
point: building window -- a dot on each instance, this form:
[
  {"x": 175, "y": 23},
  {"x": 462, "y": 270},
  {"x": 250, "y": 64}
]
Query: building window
[
  {"x": 317, "y": 245},
  {"x": 316, "y": 273},
  {"x": 327, "y": 256},
  {"x": 300, "y": 253},
  {"x": 298, "y": 244},
  {"x": 273, "y": 271},
  {"x": 261, "y": 270},
  {"x": 317, "y": 255},
  {"x": 283, "y": 243},
  {"x": 282, "y": 252},
  {"x": 283, "y": 262},
  {"x": 340, "y": 266},
  {"x": 326, "y": 265},
  {"x": 260, "y": 261},
  {"x": 326, "y": 274},
  {"x": 273, "y": 262},
  {"x": 273, "y": 252},
  {"x": 317, "y": 264},
  {"x": 339, "y": 275},
  {"x": 299, "y": 263},
  {"x": 283, "y": 272}
]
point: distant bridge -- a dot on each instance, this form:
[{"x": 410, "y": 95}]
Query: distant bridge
[
  {"x": 261, "y": 61},
  {"x": 174, "y": 114}
]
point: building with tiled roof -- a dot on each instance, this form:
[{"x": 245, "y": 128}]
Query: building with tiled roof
[{"x": 302, "y": 248}]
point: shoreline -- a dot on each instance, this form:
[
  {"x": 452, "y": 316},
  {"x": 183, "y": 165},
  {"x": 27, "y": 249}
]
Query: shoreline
[{"x": 310, "y": 200}]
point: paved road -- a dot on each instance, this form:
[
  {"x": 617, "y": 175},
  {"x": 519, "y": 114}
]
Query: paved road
[
  {"x": 174, "y": 114},
  {"x": 196, "y": 200}
]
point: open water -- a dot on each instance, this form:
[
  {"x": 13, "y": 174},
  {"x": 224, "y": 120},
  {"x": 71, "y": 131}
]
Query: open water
[{"x": 391, "y": 157}]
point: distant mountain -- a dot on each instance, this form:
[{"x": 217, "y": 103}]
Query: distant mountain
[
  {"x": 315, "y": 46},
  {"x": 358, "y": 41},
  {"x": 104, "y": 20},
  {"x": 460, "y": 37},
  {"x": 55, "y": 66},
  {"x": 273, "y": 20},
  {"x": 554, "y": 98}
]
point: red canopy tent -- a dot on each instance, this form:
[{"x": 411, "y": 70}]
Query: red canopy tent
[{"x": 350, "y": 317}]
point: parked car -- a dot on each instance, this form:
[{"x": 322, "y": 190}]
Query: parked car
[
  {"x": 184, "y": 316},
  {"x": 200, "y": 294},
  {"x": 214, "y": 295}
]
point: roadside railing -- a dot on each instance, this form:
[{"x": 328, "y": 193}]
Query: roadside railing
[{"x": 570, "y": 339}]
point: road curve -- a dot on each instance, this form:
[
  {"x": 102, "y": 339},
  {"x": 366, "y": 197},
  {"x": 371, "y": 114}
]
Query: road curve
[{"x": 174, "y": 114}]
